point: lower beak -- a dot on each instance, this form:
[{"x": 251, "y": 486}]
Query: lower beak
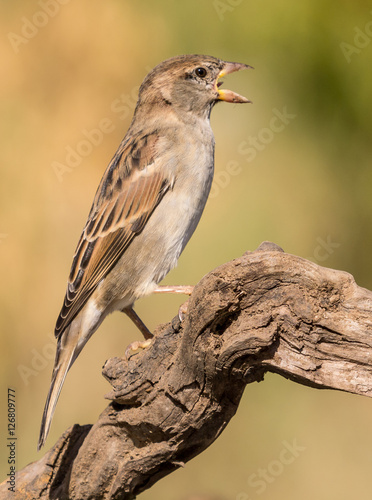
[{"x": 229, "y": 95}]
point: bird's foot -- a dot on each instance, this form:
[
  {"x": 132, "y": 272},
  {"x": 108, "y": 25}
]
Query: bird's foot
[
  {"x": 136, "y": 346},
  {"x": 183, "y": 310},
  {"x": 129, "y": 311},
  {"x": 185, "y": 289}
]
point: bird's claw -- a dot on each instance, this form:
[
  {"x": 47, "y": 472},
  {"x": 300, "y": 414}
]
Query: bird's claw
[
  {"x": 183, "y": 310},
  {"x": 135, "y": 346}
]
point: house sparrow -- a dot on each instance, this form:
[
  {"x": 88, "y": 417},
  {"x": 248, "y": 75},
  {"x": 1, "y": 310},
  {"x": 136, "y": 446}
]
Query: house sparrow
[{"x": 147, "y": 205}]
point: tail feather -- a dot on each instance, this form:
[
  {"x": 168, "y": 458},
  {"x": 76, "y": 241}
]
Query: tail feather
[
  {"x": 64, "y": 360},
  {"x": 70, "y": 343}
]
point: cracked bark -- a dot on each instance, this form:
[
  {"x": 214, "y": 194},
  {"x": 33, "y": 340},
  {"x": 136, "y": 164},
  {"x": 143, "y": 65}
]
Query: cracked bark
[{"x": 266, "y": 311}]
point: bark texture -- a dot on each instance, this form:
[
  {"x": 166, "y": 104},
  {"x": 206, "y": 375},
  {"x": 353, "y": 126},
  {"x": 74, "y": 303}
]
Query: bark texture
[{"x": 266, "y": 311}]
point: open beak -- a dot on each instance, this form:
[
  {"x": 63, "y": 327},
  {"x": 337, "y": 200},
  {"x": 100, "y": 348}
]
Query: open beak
[{"x": 229, "y": 95}]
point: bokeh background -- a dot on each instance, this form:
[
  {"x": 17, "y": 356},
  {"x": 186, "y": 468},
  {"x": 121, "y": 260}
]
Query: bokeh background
[{"x": 68, "y": 68}]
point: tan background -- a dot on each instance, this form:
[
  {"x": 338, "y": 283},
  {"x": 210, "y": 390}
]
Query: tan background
[{"x": 308, "y": 188}]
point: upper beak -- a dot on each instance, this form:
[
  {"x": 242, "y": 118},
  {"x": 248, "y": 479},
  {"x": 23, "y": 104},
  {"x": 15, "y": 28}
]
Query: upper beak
[{"x": 229, "y": 95}]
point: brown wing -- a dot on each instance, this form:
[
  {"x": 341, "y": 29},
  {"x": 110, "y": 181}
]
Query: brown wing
[{"x": 129, "y": 191}]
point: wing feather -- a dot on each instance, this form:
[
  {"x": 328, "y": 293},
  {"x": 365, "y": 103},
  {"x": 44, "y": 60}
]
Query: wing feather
[{"x": 129, "y": 192}]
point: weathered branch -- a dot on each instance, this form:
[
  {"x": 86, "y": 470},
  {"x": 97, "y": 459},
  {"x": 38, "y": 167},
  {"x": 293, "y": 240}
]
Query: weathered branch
[{"x": 266, "y": 311}]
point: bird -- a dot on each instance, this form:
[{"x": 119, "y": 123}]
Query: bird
[{"x": 146, "y": 208}]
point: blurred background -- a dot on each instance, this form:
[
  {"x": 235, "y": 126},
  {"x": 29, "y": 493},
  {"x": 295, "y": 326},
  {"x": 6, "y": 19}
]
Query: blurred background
[{"x": 294, "y": 167}]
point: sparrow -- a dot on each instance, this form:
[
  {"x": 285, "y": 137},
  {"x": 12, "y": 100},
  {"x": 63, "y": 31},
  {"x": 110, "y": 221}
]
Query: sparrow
[{"x": 146, "y": 207}]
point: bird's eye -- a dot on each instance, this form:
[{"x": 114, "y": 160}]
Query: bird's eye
[{"x": 201, "y": 72}]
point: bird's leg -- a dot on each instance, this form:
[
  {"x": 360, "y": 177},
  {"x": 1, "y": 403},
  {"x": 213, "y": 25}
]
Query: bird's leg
[
  {"x": 185, "y": 289},
  {"x": 129, "y": 311},
  {"x": 134, "y": 346}
]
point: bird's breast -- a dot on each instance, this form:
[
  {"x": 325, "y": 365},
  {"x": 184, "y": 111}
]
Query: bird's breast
[
  {"x": 175, "y": 219},
  {"x": 193, "y": 180}
]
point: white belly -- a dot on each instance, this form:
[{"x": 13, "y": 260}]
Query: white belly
[{"x": 177, "y": 218}]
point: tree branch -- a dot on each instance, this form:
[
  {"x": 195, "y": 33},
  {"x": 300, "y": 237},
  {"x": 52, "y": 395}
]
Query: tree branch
[{"x": 267, "y": 311}]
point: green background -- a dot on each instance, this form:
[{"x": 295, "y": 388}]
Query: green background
[{"x": 308, "y": 189}]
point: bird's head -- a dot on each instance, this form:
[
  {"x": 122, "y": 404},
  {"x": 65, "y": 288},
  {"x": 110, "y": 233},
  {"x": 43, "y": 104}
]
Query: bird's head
[{"x": 190, "y": 83}]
